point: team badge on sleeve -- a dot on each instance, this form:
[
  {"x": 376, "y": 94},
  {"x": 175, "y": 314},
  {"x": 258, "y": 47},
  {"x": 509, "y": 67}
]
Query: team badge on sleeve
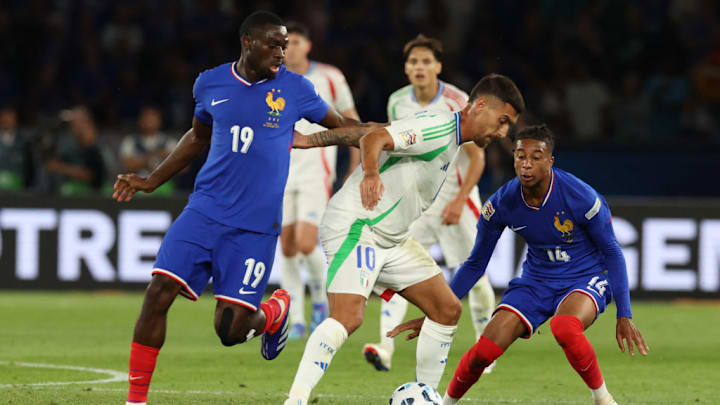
[
  {"x": 487, "y": 210},
  {"x": 408, "y": 137}
]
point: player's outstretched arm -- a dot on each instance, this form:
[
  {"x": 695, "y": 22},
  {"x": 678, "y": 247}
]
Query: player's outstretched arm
[
  {"x": 345, "y": 136},
  {"x": 190, "y": 146},
  {"x": 371, "y": 145},
  {"x": 626, "y": 332}
]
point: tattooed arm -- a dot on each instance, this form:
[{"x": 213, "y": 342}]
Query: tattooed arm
[{"x": 345, "y": 136}]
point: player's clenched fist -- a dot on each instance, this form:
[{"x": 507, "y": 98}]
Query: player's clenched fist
[
  {"x": 127, "y": 185},
  {"x": 371, "y": 190}
]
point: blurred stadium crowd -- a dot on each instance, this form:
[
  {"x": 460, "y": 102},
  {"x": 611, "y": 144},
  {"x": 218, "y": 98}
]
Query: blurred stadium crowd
[{"x": 91, "y": 88}]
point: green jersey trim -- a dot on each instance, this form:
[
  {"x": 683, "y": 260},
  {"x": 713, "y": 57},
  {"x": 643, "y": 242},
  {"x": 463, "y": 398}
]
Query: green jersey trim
[{"x": 352, "y": 239}]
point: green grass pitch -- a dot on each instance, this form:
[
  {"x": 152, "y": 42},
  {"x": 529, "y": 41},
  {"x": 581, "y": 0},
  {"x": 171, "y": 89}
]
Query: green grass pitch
[{"x": 93, "y": 330}]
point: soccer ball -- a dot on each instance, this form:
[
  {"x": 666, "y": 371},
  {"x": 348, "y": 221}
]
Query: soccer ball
[{"x": 415, "y": 393}]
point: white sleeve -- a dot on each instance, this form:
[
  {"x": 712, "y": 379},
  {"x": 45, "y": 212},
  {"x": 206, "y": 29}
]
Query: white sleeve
[
  {"x": 343, "y": 96},
  {"x": 409, "y": 140}
]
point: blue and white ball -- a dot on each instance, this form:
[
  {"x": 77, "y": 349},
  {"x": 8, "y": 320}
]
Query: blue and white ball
[{"x": 415, "y": 393}]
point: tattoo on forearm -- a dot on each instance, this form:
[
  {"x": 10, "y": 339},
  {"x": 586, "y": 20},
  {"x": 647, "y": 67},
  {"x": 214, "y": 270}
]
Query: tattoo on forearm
[{"x": 346, "y": 136}]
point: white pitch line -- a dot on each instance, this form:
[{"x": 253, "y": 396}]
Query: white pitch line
[{"x": 115, "y": 376}]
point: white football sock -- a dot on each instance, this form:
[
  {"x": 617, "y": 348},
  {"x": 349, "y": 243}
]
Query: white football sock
[
  {"x": 321, "y": 346},
  {"x": 433, "y": 347},
  {"x": 315, "y": 265},
  {"x": 391, "y": 315},
  {"x": 448, "y": 400},
  {"x": 482, "y": 302},
  {"x": 291, "y": 281},
  {"x": 600, "y": 392}
]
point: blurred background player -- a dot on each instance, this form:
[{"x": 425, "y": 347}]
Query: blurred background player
[
  {"x": 574, "y": 267},
  {"x": 450, "y": 220},
  {"x": 142, "y": 152},
  {"x": 309, "y": 186},
  {"x": 77, "y": 165},
  {"x": 16, "y": 164}
]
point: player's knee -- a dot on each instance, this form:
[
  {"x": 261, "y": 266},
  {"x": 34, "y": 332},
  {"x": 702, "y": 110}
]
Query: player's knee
[
  {"x": 160, "y": 293},
  {"x": 450, "y": 314},
  {"x": 289, "y": 249},
  {"x": 306, "y": 246},
  {"x": 565, "y": 328}
]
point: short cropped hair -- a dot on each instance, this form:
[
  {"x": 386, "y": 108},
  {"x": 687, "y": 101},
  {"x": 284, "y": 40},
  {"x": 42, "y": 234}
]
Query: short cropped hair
[
  {"x": 297, "y": 28},
  {"x": 539, "y": 132},
  {"x": 426, "y": 42},
  {"x": 258, "y": 19},
  {"x": 501, "y": 87}
]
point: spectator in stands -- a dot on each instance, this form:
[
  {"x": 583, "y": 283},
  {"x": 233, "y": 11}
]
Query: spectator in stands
[
  {"x": 142, "y": 152},
  {"x": 587, "y": 101},
  {"x": 78, "y": 164},
  {"x": 15, "y": 156}
]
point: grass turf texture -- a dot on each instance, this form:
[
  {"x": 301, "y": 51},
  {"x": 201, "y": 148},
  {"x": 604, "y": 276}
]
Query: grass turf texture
[{"x": 93, "y": 330}]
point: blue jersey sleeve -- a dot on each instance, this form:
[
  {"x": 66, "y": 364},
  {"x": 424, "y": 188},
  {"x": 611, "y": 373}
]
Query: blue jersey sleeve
[
  {"x": 310, "y": 105},
  {"x": 598, "y": 224},
  {"x": 201, "y": 113},
  {"x": 489, "y": 228}
]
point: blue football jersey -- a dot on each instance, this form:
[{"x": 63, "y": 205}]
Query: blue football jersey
[
  {"x": 559, "y": 246},
  {"x": 243, "y": 179}
]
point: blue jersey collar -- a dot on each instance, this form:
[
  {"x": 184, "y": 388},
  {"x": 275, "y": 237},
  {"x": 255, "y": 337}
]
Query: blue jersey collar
[
  {"x": 441, "y": 87},
  {"x": 547, "y": 194},
  {"x": 244, "y": 80}
]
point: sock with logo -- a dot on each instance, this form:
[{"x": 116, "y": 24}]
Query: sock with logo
[
  {"x": 482, "y": 302},
  {"x": 432, "y": 351},
  {"x": 142, "y": 365},
  {"x": 321, "y": 346},
  {"x": 568, "y": 331},
  {"x": 471, "y": 366}
]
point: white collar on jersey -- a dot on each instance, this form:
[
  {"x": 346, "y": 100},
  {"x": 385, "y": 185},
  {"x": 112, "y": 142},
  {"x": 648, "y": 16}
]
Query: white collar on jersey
[
  {"x": 242, "y": 79},
  {"x": 547, "y": 194}
]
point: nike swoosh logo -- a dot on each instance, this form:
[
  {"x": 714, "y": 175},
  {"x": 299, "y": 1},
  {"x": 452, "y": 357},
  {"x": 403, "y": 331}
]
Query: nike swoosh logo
[
  {"x": 243, "y": 292},
  {"x": 136, "y": 378},
  {"x": 213, "y": 103},
  {"x": 517, "y": 228}
]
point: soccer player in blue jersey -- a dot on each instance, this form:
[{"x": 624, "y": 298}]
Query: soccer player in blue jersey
[
  {"x": 245, "y": 110},
  {"x": 574, "y": 267}
]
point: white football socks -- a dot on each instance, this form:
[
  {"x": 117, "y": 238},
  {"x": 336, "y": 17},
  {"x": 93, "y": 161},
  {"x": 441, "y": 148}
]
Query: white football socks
[
  {"x": 482, "y": 303},
  {"x": 600, "y": 392},
  {"x": 315, "y": 265},
  {"x": 321, "y": 346},
  {"x": 291, "y": 281},
  {"x": 433, "y": 347},
  {"x": 391, "y": 315},
  {"x": 448, "y": 400}
]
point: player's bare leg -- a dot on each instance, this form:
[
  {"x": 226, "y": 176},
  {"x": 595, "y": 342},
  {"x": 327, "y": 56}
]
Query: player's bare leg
[
  {"x": 149, "y": 335},
  {"x": 504, "y": 328},
  {"x": 291, "y": 281},
  {"x": 306, "y": 238},
  {"x": 575, "y": 314},
  {"x": 442, "y": 310},
  {"x": 346, "y": 315}
]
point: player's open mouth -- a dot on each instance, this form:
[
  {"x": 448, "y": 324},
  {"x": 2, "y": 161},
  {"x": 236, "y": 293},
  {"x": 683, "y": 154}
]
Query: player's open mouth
[
  {"x": 275, "y": 68},
  {"x": 419, "y": 76},
  {"x": 526, "y": 177}
]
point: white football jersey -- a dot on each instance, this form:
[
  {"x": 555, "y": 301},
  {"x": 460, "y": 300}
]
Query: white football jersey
[
  {"x": 318, "y": 164},
  {"x": 402, "y": 104},
  {"x": 413, "y": 174}
]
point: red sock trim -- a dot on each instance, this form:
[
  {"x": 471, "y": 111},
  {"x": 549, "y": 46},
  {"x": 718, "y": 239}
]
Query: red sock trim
[
  {"x": 568, "y": 332},
  {"x": 142, "y": 366},
  {"x": 472, "y": 365}
]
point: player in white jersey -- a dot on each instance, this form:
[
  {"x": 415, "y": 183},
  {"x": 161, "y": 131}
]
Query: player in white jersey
[
  {"x": 450, "y": 220},
  {"x": 365, "y": 231},
  {"x": 309, "y": 186}
]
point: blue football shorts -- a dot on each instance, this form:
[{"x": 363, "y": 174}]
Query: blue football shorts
[
  {"x": 536, "y": 301},
  {"x": 197, "y": 248}
]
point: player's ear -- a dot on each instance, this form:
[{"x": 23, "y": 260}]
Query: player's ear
[
  {"x": 552, "y": 160},
  {"x": 478, "y": 105},
  {"x": 246, "y": 41}
]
